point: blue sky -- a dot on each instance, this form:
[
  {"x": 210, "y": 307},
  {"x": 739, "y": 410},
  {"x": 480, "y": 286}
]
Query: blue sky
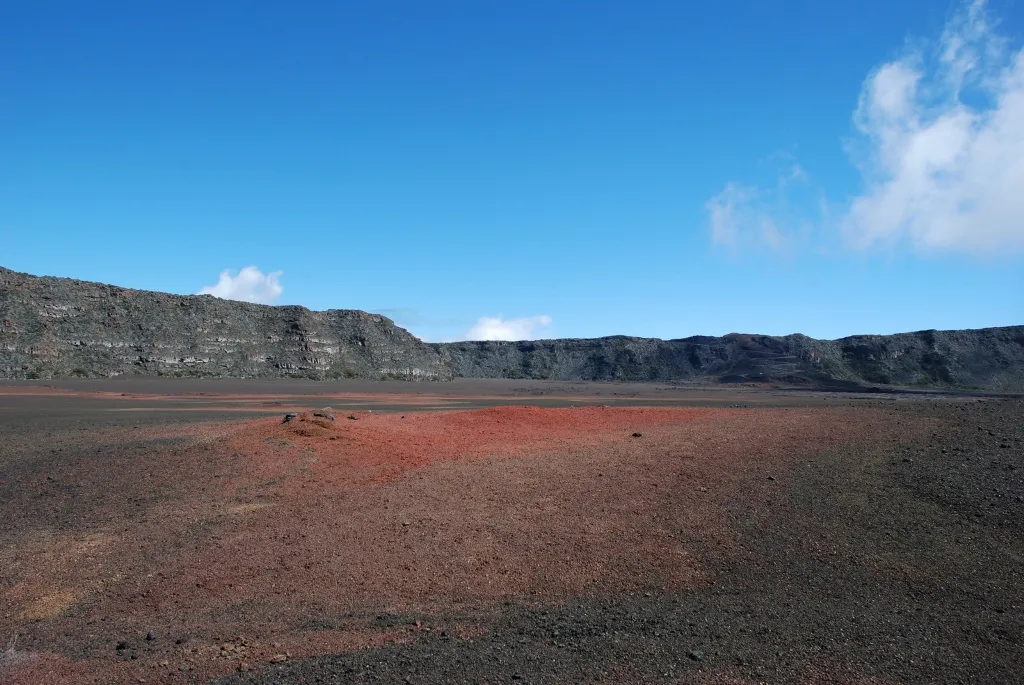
[{"x": 528, "y": 169}]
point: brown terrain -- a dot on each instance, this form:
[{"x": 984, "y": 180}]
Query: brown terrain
[{"x": 177, "y": 531}]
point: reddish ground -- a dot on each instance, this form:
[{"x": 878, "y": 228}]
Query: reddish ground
[
  {"x": 275, "y": 528},
  {"x": 232, "y": 543}
]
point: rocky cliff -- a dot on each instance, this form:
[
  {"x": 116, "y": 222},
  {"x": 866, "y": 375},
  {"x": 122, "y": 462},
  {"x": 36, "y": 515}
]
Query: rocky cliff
[
  {"x": 991, "y": 358},
  {"x": 62, "y": 327}
]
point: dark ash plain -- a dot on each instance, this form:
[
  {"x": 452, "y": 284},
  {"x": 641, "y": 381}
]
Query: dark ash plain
[{"x": 882, "y": 559}]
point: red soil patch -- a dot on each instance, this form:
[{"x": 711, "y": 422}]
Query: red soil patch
[
  {"x": 301, "y": 533},
  {"x": 365, "y": 445}
]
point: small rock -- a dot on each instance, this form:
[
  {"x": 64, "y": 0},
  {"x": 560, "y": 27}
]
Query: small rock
[
  {"x": 150, "y": 636},
  {"x": 771, "y": 477},
  {"x": 278, "y": 658},
  {"x": 324, "y": 415},
  {"x": 243, "y": 667},
  {"x": 638, "y": 435},
  {"x": 351, "y": 417},
  {"x": 696, "y": 655},
  {"x": 122, "y": 645},
  {"x": 289, "y": 417}
]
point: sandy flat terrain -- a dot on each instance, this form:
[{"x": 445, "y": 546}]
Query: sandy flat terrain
[{"x": 488, "y": 531}]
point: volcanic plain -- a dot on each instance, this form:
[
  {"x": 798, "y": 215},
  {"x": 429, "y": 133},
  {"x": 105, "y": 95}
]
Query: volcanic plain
[{"x": 179, "y": 531}]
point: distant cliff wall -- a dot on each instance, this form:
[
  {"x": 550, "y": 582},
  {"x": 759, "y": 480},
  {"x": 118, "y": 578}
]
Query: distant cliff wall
[
  {"x": 991, "y": 358},
  {"x": 62, "y": 327}
]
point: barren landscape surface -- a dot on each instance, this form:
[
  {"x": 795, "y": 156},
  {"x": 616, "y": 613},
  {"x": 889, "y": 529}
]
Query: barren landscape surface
[{"x": 498, "y": 531}]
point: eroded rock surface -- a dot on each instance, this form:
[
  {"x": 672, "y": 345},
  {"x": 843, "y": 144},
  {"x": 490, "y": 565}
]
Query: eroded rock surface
[
  {"x": 54, "y": 327},
  {"x": 64, "y": 327},
  {"x": 989, "y": 358}
]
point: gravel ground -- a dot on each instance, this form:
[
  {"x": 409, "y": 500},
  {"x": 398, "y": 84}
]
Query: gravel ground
[{"x": 875, "y": 543}]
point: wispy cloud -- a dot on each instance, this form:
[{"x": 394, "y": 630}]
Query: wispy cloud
[
  {"x": 498, "y": 328},
  {"x": 426, "y": 326},
  {"x": 941, "y": 143},
  {"x": 248, "y": 285},
  {"x": 747, "y": 215}
]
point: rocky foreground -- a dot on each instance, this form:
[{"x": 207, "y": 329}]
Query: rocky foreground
[
  {"x": 59, "y": 327},
  {"x": 857, "y": 539}
]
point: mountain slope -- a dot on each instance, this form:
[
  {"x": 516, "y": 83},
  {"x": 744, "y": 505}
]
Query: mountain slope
[
  {"x": 991, "y": 358},
  {"x": 60, "y": 327}
]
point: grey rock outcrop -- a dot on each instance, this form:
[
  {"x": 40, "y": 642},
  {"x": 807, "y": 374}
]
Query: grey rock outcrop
[
  {"x": 63, "y": 327},
  {"x": 53, "y": 327},
  {"x": 990, "y": 358}
]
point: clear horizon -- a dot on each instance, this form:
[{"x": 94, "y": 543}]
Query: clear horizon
[{"x": 528, "y": 171}]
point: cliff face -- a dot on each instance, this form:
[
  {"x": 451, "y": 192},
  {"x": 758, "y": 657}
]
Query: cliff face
[
  {"x": 61, "y": 327},
  {"x": 991, "y": 358}
]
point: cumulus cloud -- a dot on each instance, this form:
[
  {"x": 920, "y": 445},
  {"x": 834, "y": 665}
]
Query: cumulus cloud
[
  {"x": 941, "y": 143},
  {"x": 248, "y": 285},
  {"x": 498, "y": 328}
]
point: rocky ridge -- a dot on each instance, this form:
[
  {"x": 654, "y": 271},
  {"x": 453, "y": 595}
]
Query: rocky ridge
[
  {"x": 63, "y": 327},
  {"x": 989, "y": 358},
  {"x": 53, "y": 327}
]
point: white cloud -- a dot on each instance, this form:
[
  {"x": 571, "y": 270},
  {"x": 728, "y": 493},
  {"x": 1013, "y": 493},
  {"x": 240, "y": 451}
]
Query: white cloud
[
  {"x": 498, "y": 328},
  {"x": 249, "y": 285},
  {"x": 940, "y": 147},
  {"x": 744, "y": 215},
  {"x": 941, "y": 144},
  {"x": 729, "y": 210}
]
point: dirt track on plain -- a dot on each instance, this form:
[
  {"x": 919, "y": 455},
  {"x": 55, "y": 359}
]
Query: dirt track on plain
[{"x": 768, "y": 536}]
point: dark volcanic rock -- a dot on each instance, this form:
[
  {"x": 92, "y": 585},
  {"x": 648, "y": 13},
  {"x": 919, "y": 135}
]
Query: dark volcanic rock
[
  {"x": 62, "y": 327},
  {"x": 989, "y": 358}
]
